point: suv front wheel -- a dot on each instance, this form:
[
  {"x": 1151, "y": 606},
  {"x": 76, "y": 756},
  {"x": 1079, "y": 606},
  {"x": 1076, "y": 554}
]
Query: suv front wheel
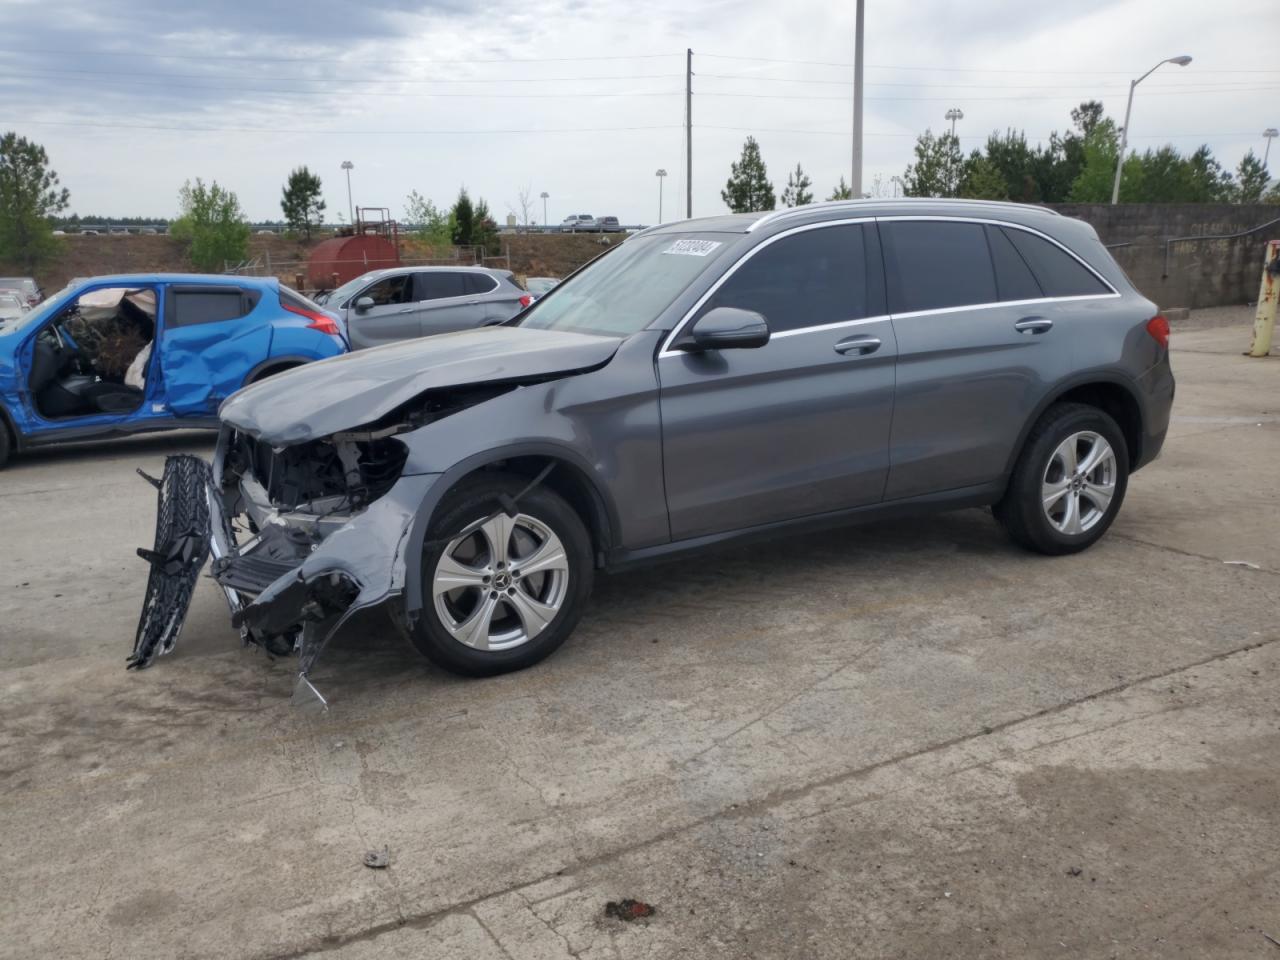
[
  {"x": 1068, "y": 483},
  {"x": 501, "y": 592}
]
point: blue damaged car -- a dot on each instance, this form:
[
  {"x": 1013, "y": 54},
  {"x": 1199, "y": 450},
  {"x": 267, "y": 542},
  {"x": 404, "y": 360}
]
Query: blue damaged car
[{"x": 127, "y": 354}]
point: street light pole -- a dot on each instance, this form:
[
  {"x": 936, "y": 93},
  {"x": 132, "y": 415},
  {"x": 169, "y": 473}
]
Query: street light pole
[
  {"x": 661, "y": 175},
  {"x": 544, "y": 196},
  {"x": 347, "y": 165},
  {"x": 1268, "y": 134},
  {"x": 1181, "y": 61},
  {"x": 855, "y": 183},
  {"x": 954, "y": 114}
]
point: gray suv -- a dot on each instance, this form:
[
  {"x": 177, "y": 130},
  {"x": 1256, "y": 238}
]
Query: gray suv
[
  {"x": 704, "y": 381},
  {"x": 400, "y": 303}
]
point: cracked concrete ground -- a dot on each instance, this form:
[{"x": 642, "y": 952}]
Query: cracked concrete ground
[{"x": 901, "y": 740}]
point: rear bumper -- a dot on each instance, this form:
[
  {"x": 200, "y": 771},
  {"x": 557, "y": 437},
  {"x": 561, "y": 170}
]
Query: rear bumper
[{"x": 1157, "y": 386}]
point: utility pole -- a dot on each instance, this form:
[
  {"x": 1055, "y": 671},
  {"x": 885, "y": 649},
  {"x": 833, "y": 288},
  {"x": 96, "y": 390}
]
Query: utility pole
[
  {"x": 1267, "y": 135},
  {"x": 347, "y": 165},
  {"x": 855, "y": 184},
  {"x": 661, "y": 175},
  {"x": 688, "y": 131}
]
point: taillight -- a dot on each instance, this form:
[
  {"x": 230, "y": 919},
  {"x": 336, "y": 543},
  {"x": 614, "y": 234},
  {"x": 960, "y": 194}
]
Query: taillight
[
  {"x": 526, "y": 300},
  {"x": 319, "y": 321},
  {"x": 1158, "y": 327}
]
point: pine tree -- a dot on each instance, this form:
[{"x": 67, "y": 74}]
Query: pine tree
[
  {"x": 842, "y": 191},
  {"x": 1251, "y": 179},
  {"x": 748, "y": 188},
  {"x": 301, "y": 201},
  {"x": 936, "y": 172},
  {"x": 464, "y": 220},
  {"x": 29, "y": 196},
  {"x": 799, "y": 189},
  {"x": 981, "y": 180}
]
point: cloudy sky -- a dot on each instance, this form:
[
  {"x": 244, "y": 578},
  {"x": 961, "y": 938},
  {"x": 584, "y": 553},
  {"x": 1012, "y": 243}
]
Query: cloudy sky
[{"x": 585, "y": 100}]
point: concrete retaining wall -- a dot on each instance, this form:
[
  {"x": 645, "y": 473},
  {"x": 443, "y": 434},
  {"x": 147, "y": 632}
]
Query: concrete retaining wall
[{"x": 1201, "y": 273}]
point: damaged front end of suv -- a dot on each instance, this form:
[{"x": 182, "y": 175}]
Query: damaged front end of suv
[{"x": 319, "y": 480}]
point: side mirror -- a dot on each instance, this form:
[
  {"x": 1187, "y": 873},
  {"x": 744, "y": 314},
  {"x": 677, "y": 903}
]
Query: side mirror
[
  {"x": 365, "y": 303},
  {"x": 726, "y": 328}
]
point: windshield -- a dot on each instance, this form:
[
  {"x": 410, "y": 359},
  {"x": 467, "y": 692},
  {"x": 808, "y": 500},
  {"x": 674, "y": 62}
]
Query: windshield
[
  {"x": 36, "y": 314},
  {"x": 338, "y": 295},
  {"x": 625, "y": 290}
]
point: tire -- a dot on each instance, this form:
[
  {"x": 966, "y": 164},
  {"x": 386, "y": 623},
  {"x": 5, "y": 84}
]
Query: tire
[
  {"x": 530, "y": 614},
  {"x": 1036, "y": 509},
  {"x": 272, "y": 371},
  {"x": 6, "y": 443}
]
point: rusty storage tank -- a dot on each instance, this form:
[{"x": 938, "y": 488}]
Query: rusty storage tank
[{"x": 339, "y": 259}]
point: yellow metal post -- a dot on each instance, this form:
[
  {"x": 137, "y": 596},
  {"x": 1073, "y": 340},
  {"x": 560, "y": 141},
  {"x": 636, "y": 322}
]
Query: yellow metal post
[{"x": 1264, "y": 321}]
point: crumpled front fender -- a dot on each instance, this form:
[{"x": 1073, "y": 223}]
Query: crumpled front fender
[{"x": 369, "y": 551}]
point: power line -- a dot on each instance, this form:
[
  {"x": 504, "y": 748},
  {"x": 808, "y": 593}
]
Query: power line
[
  {"x": 896, "y": 66},
  {"x": 969, "y": 99},
  {"x": 122, "y": 125},
  {"x": 955, "y": 86},
  {"x": 55, "y": 72},
  {"x": 318, "y": 131},
  {"x": 240, "y": 58},
  {"x": 354, "y": 93}
]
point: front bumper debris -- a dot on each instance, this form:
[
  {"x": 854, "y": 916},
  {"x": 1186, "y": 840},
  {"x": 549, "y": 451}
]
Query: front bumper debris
[{"x": 290, "y": 587}]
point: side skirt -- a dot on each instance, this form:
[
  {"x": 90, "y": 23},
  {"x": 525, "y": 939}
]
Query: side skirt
[{"x": 978, "y": 496}]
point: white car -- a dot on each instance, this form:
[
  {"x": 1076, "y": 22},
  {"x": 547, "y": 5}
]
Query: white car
[
  {"x": 12, "y": 305},
  {"x": 579, "y": 223}
]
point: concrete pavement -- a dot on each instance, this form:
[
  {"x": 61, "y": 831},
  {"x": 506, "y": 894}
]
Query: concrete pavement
[{"x": 901, "y": 740}]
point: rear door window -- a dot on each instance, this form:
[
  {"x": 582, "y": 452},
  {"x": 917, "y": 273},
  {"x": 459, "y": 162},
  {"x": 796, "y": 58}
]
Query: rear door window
[
  {"x": 1059, "y": 273},
  {"x": 935, "y": 264},
  {"x": 477, "y": 283},
  {"x": 1013, "y": 277},
  {"x": 439, "y": 285},
  {"x": 189, "y": 306},
  {"x": 808, "y": 279}
]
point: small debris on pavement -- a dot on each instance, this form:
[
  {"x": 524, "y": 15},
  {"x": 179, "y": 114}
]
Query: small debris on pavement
[
  {"x": 628, "y": 909},
  {"x": 378, "y": 859},
  {"x": 1074, "y": 872},
  {"x": 1242, "y": 563}
]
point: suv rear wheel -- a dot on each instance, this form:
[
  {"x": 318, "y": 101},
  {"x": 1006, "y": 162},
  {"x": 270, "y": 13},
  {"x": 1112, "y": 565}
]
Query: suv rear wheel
[
  {"x": 501, "y": 592},
  {"x": 1069, "y": 481}
]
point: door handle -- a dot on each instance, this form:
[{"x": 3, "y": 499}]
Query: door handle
[
  {"x": 406, "y": 309},
  {"x": 472, "y": 303},
  {"x": 858, "y": 345},
  {"x": 1034, "y": 325}
]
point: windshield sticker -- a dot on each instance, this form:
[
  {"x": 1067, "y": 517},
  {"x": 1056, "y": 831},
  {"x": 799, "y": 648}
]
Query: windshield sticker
[{"x": 692, "y": 248}]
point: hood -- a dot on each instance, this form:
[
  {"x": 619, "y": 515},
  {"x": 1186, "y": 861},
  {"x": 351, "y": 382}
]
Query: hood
[{"x": 349, "y": 391}]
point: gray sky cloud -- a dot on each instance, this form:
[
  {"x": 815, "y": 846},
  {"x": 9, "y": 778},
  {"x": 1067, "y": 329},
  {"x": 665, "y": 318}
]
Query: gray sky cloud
[{"x": 585, "y": 100}]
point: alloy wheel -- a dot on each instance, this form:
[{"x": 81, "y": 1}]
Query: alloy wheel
[
  {"x": 1079, "y": 483},
  {"x": 498, "y": 587}
]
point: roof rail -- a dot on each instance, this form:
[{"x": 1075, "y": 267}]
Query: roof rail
[{"x": 774, "y": 216}]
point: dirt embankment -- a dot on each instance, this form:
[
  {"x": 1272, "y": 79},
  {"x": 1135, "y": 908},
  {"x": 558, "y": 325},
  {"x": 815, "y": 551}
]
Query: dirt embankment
[{"x": 535, "y": 255}]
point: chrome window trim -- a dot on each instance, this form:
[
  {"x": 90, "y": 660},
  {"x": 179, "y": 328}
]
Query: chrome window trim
[
  {"x": 839, "y": 324},
  {"x": 666, "y": 350}
]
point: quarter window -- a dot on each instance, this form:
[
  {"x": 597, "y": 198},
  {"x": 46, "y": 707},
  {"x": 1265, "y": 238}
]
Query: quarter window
[
  {"x": 805, "y": 280},
  {"x": 438, "y": 286},
  {"x": 1013, "y": 278},
  {"x": 1059, "y": 273},
  {"x": 934, "y": 264},
  {"x": 477, "y": 283}
]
